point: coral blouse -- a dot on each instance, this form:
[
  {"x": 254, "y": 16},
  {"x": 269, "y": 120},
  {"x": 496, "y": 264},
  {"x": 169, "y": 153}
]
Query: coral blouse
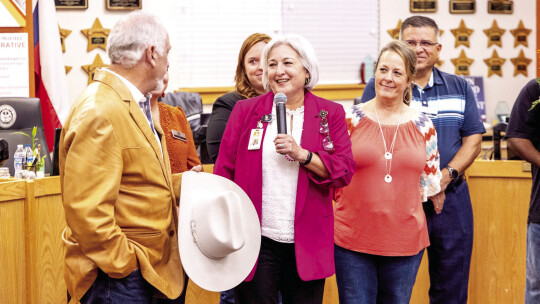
[{"x": 380, "y": 218}]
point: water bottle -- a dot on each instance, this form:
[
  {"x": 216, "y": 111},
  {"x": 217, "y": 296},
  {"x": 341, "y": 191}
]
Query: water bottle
[
  {"x": 29, "y": 156},
  {"x": 369, "y": 68},
  {"x": 18, "y": 160}
]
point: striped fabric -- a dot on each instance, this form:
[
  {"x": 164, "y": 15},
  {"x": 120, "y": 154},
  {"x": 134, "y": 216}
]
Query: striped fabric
[{"x": 450, "y": 103}]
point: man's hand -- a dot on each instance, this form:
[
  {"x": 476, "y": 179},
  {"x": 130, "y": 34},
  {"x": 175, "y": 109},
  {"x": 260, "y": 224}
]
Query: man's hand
[{"x": 438, "y": 201}]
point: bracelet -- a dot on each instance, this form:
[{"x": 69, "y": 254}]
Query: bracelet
[{"x": 308, "y": 159}]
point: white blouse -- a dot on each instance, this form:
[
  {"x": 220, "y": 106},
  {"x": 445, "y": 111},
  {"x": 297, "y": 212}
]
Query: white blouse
[{"x": 279, "y": 180}]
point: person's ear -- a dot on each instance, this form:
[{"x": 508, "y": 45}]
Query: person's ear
[{"x": 150, "y": 54}]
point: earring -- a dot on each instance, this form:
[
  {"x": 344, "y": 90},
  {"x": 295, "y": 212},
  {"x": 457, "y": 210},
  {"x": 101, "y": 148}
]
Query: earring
[{"x": 307, "y": 81}]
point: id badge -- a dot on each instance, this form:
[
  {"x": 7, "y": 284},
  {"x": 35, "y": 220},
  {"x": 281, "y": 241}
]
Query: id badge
[
  {"x": 179, "y": 135},
  {"x": 255, "y": 139}
]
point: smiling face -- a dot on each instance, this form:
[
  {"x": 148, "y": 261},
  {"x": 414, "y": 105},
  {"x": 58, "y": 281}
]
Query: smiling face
[
  {"x": 253, "y": 66},
  {"x": 427, "y": 55},
  {"x": 286, "y": 74},
  {"x": 391, "y": 77}
]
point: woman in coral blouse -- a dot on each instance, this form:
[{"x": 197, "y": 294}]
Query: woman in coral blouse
[{"x": 380, "y": 226}]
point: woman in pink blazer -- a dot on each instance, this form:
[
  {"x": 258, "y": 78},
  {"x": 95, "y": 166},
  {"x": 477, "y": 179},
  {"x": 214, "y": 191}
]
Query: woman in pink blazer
[{"x": 291, "y": 177}]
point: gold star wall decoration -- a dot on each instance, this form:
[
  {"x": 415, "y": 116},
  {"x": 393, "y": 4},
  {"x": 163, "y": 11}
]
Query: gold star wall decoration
[
  {"x": 462, "y": 34},
  {"x": 97, "y": 36},
  {"x": 494, "y": 64},
  {"x": 520, "y": 64},
  {"x": 63, "y": 35},
  {"x": 462, "y": 64},
  {"x": 394, "y": 33},
  {"x": 520, "y": 34},
  {"x": 68, "y": 68},
  {"x": 91, "y": 68},
  {"x": 494, "y": 34}
]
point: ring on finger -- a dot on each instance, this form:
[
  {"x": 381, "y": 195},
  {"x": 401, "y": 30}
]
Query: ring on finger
[{"x": 281, "y": 146}]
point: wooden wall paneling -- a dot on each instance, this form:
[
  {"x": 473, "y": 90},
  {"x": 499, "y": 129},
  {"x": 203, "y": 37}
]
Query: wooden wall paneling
[
  {"x": 421, "y": 286},
  {"x": 500, "y": 233},
  {"x": 45, "y": 223},
  {"x": 197, "y": 295},
  {"x": 12, "y": 257},
  {"x": 330, "y": 291}
]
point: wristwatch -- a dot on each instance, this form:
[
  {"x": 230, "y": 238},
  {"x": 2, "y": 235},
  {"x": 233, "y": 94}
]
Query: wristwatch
[{"x": 453, "y": 173}]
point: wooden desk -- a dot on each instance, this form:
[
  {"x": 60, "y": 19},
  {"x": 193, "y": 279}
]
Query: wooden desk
[
  {"x": 31, "y": 254},
  {"x": 500, "y": 192}
]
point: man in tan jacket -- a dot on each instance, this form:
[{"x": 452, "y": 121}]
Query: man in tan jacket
[{"x": 121, "y": 210}]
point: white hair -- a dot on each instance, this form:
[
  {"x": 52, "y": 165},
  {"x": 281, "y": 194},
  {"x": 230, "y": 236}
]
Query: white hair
[
  {"x": 132, "y": 35},
  {"x": 305, "y": 51}
]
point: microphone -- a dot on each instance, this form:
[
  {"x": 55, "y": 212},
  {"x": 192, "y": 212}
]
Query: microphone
[{"x": 280, "y": 100}]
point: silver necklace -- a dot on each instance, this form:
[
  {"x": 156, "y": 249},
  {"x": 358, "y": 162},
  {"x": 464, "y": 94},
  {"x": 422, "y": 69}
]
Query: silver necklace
[{"x": 388, "y": 154}]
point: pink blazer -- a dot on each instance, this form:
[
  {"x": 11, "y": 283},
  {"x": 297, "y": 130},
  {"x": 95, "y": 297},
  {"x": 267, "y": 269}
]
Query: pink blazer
[{"x": 314, "y": 221}]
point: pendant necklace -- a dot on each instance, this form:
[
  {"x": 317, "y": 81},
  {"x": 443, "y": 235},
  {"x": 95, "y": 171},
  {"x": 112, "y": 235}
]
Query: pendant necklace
[{"x": 388, "y": 153}]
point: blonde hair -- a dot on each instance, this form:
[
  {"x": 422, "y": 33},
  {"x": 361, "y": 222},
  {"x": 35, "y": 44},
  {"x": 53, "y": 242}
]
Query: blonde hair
[{"x": 408, "y": 55}]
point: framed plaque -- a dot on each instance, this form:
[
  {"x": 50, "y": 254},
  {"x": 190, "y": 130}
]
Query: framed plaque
[
  {"x": 71, "y": 4},
  {"x": 123, "y": 5},
  {"x": 423, "y": 6},
  {"x": 500, "y": 7},
  {"x": 462, "y": 6}
]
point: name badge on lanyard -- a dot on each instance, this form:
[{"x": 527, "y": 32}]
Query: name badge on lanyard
[{"x": 255, "y": 139}]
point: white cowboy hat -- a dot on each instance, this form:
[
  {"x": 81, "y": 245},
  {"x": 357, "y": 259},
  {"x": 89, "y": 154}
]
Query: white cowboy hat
[{"x": 219, "y": 231}]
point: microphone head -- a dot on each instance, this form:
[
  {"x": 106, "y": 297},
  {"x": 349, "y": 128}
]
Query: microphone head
[{"x": 280, "y": 98}]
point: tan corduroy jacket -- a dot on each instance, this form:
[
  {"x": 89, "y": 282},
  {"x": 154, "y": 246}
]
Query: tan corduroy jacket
[{"x": 120, "y": 206}]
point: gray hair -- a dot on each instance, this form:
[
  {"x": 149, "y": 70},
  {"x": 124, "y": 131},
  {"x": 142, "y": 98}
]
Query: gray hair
[
  {"x": 132, "y": 35},
  {"x": 305, "y": 51}
]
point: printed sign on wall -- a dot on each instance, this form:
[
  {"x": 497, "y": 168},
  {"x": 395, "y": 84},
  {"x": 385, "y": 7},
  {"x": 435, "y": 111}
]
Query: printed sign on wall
[
  {"x": 477, "y": 85},
  {"x": 14, "y": 79}
]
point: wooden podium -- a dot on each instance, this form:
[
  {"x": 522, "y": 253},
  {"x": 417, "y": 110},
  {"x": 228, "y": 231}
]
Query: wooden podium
[{"x": 31, "y": 254}]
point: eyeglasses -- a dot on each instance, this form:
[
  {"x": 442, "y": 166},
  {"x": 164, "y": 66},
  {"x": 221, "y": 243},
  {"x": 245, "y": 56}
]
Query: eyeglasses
[
  {"x": 328, "y": 144},
  {"x": 425, "y": 44}
]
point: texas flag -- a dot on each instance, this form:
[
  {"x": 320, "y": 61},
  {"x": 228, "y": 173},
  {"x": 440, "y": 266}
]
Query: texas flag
[{"x": 51, "y": 85}]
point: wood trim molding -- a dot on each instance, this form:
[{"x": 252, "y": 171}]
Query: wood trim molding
[
  {"x": 498, "y": 168},
  {"x": 327, "y": 91}
]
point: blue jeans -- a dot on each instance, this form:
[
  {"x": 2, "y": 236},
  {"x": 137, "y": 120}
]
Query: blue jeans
[
  {"x": 133, "y": 289},
  {"x": 451, "y": 238},
  {"x": 532, "y": 283},
  {"x": 226, "y": 297},
  {"x": 366, "y": 279}
]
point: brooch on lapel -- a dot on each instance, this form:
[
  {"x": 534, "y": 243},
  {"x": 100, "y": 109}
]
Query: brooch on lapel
[{"x": 328, "y": 144}]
